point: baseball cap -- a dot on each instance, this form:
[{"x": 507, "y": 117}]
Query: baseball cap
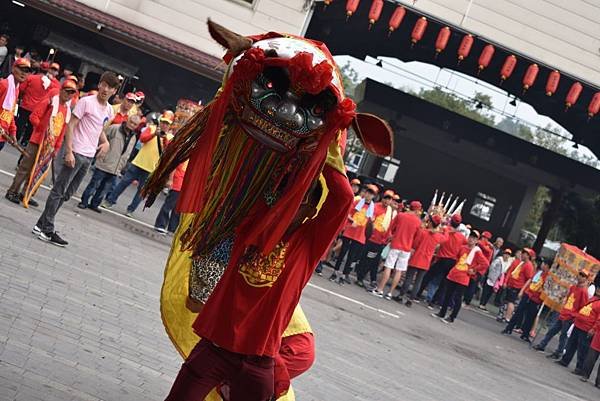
[
  {"x": 415, "y": 205},
  {"x": 530, "y": 251},
  {"x": 507, "y": 251},
  {"x": 474, "y": 233},
  {"x": 55, "y": 66},
  {"x": 22, "y": 63},
  {"x": 131, "y": 96},
  {"x": 355, "y": 181},
  {"x": 486, "y": 234},
  {"x": 167, "y": 116},
  {"x": 373, "y": 188},
  {"x": 388, "y": 192},
  {"x": 69, "y": 84},
  {"x": 456, "y": 218},
  {"x": 437, "y": 219}
]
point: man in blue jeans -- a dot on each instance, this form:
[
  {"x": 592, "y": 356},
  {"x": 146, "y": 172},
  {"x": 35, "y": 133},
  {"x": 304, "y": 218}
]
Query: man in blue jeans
[
  {"x": 153, "y": 140},
  {"x": 121, "y": 138}
]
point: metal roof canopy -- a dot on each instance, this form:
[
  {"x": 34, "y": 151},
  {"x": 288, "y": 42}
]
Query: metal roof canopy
[
  {"x": 89, "y": 54},
  {"x": 353, "y": 37},
  {"x": 514, "y": 153}
]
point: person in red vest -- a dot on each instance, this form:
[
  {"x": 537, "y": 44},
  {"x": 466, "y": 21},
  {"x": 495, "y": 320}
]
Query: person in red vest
[
  {"x": 446, "y": 259},
  {"x": 382, "y": 218},
  {"x": 35, "y": 89},
  {"x": 488, "y": 251},
  {"x": 167, "y": 219},
  {"x": 9, "y": 94},
  {"x": 594, "y": 351},
  {"x": 354, "y": 237},
  {"x": 575, "y": 299},
  {"x": 402, "y": 234},
  {"x": 519, "y": 272},
  {"x": 428, "y": 239},
  {"x": 469, "y": 261},
  {"x": 50, "y": 116},
  {"x": 530, "y": 302},
  {"x": 579, "y": 341}
]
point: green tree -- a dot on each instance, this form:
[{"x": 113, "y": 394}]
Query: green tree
[
  {"x": 350, "y": 79},
  {"x": 475, "y": 110}
]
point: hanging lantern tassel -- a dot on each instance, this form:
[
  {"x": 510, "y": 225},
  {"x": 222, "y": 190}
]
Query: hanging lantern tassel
[
  {"x": 396, "y": 19},
  {"x": 442, "y": 40},
  {"x": 530, "y": 76},
  {"x": 573, "y": 95},
  {"x": 418, "y": 31},
  {"x": 351, "y": 6},
  {"x": 465, "y": 47},
  {"x": 484, "y": 59},
  {"x": 507, "y": 68},
  {"x": 552, "y": 83},
  {"x": 594, "y": 106},
  {"x": 375, "y": 12}
]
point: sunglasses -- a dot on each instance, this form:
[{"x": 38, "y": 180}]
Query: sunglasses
[{"x": 70, "y": 91}]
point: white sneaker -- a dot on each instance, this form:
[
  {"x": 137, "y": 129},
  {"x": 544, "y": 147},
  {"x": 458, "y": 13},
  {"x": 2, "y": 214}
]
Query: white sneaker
[
  {"x": 388, "y": 296},
  {"x": 36, "y": 230},
  {"x": 377, "y": 293}
]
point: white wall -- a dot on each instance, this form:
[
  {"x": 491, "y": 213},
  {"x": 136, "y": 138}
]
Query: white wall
[
  {"x": 185, "y": 20},
  {"x": 562, "y": 33}
]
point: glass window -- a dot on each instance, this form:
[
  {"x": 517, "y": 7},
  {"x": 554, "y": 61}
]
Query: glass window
[
  {"x": 483, "y": 206},
  {"x": 388, "y": 170}
]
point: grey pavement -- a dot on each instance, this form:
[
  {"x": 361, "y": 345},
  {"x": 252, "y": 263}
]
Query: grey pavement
[{"x": 83, "y": 323}]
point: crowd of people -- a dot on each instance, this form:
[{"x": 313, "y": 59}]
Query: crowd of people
[
  {"x": 47, "y": 116},
  {"x": 398, "y": 250},
  {"x": 432, "y": 257}
]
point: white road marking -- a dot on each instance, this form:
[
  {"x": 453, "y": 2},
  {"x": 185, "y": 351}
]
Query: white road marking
[{"x": 364, "y": 305}]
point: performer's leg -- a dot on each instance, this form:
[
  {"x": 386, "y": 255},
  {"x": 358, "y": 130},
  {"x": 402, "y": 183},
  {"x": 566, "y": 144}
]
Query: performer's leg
[
  {"x": 531, "y": 310},
  {"x": 206, "y": 367},
  {"x": 254, "y": 381}
]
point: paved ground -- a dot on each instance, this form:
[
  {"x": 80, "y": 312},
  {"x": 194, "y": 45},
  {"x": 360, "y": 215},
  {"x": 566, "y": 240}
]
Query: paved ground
[{"x": 83, "y": 323}]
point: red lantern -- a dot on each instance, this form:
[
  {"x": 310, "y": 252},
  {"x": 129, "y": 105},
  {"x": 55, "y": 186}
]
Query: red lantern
[
  {"x": 442, "y": 39},
  {"x": 396, "y": 19},
  {"x": 486, "y": 56},
  {"x": 375, "y": 12},
  {"x": 530, "y": 76},
  {"x": 552, "y": 82},
  {"x": 465, "y": 47},
  {"x": 419, "y": 30},
  {"x": 594, "y": 106},
  {"x": 573, "y": 94},
  {"x": 508, "y": 67},
  {"x": 351, "y": 6}
]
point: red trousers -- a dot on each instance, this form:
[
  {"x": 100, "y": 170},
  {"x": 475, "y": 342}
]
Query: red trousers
[{"x": 250, "y": 378}]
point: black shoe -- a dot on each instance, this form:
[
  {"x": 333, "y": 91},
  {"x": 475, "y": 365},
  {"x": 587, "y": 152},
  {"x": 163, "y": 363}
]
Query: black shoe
[
  {"x": 32, "y": 202},
  {"x": 13, "y": 197},
  {"x": 347, "y": 279},
  {"x": 560, "y": 362},
  {"x": 430, "y": 305},
  {"x": 577, "y": 372},
  {"x": 360, "y": 283},
  {"x": 82, "y": 205},
  {"x": 53, "y": 238},
  {"x": 539, "y": 348},
  {"x": 397, "y": 298},
  {"x": 448, "y": 320},
  {"x": 584, "y": 379},
  {"x": 554, "y": 355},
  {"x": 507, "y": 332},
  {"x": 525, "y": 338},
  {"x": 408, "y": 303},
  {"x": 333, "y": 276},
  {"x": 95, "y": 209}
]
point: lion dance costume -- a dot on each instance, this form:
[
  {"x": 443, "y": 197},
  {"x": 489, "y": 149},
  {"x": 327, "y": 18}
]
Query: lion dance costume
[{"x": 264, "y": 194}]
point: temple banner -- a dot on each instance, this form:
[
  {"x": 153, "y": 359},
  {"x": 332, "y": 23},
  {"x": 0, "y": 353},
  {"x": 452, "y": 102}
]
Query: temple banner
[{"x": 569, "y": 261}]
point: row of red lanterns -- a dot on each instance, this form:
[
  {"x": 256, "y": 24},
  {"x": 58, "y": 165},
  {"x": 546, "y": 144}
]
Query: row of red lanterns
[{"x": 464, "y": 49}]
